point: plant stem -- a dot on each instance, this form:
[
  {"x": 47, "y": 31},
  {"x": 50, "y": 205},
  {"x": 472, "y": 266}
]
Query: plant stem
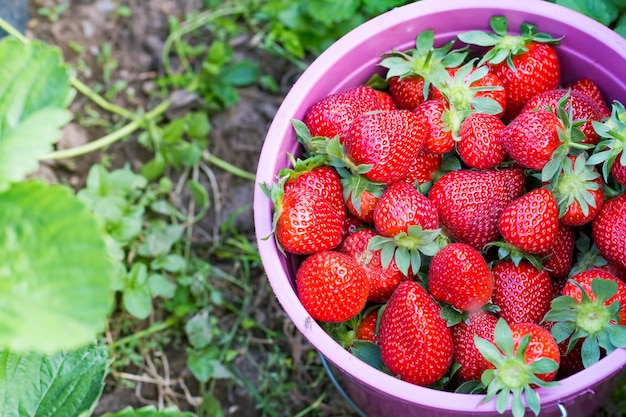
[
  {"x": 101, "y": 101},
  {"x": 12, "y": 31},
  {"x": 154, "y": 328},
  {"x": 228, "y": 167},
  {"x": 110, "y": 138}
]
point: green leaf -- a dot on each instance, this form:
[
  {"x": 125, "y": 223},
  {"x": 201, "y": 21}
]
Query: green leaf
[
  {"x": 159, "y": 239},
  {"x": 620, "y": 26},
  {"x": 137, "y": 296},
  {"x": 171, "y": 263},
  {"x": 617, "y": 335},
  {"x": 149, "y": 411},
  {"x": 199, "y": 194},
  {"x": 331, "y": 11},
  {"x": 66, "y": 384},
  {"x": 367, "y": 352},
  {"x": 161, "y": 286},
  {"x": 489, "y": 351},
  {"x": 604, "y": 12},
  {"x": 201, "y": 362},
  {"x": 603, "y": 289},
  {"x": 56, "y": 275},
  {"x": 590, "y": 352},
  {"x": 543, "y": 366},
  {"x": 199, "y": 330},
  {"x": 504, "y": 337},
  {"x": 34, "y": 93},
  {"x": 198, "y": 125},
  {"x": 241, "y": 73}
]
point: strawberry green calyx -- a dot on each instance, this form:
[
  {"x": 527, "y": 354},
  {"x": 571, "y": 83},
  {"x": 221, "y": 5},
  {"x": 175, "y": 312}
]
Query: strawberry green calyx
[
  {"x": 424, "y": 60},
  {"x": 512, "y": 374},
  {"x": 355, "y": 184},
  {"x": 590, "y": 320},
  {"x": 612, "y": 132},
  {"x": 406, "y": 248},
  {"x": 515, "y": 254},
  {"x": 503, "y": 45},
  {"x": 571, "y": 138},
  {"x": 588, "y": 255},
  {"x": 575, "y": 184}
]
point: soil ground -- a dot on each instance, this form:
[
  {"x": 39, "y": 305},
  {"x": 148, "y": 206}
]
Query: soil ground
[{"x": 237, "y": 135}]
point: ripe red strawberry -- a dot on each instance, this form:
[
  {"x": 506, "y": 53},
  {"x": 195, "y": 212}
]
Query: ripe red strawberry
[
  {"x": 589, "y": 88},
  {"x": 415, "y": 342},
  {"x": 458, "y": 275},
  {"x": 585, "y": 278},
  {"x": 321, "y": 179},
  {"x": 531, "y": 221},
  {"x": 331, "y": 115},
  {"x": 466, "y": 354},
  {"x": 402, "y": 206},
  {"x": 526, "y": 64},
  {"x": 407, "y": 223},
  {"x": 331, "y": 286},
  {"x": 522, "y": 292},
  {"x": 366, "y": 329},
  {"x": 407, "y": 92},
  {"x": 560, "y": 257},
  {"x": 385, "y": 101},
  {"x": 608, "y": 230},
  {"x": 305, "y": 222},
  {"x": 388, "y": 140},
  {"x": 478, "y": 144},
  {"x": 383, "y": 281},
  {"x": 439, "y": 139},
  {"x": 425, "y": 168},
  {"x": 470, "y": 202},
  {"x": 531, "y": 138},
  {"x": 525, "y": 356},
  {"x": 350, "y": 225},
  {"x": 582, "y": 107},
  {"x": 578, "y": 190}
]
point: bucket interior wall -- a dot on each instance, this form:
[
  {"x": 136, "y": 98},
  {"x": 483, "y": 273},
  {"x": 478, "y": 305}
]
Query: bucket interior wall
[{"x": 588, "y": 49}]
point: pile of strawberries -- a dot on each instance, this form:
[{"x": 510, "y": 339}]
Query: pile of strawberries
[{"x": 463, "y": 216}]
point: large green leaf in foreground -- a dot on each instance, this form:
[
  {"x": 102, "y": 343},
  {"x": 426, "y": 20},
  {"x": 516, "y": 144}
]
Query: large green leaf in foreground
[
  {"x": 55, "y": 274},
  {"x": 34, "y": 93},
  {"x": 66, "y": 384}
]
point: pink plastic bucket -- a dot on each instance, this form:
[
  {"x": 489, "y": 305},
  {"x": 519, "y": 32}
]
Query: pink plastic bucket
[{"x": 588, "y": 49}]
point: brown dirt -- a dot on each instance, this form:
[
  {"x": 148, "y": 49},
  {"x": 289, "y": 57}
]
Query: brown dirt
[{"x": 237, "y": 136}]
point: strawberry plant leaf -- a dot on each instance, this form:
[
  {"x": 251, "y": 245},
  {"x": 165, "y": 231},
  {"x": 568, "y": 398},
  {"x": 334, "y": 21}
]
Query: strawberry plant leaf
[
  {"x": 331, "y": 11},
  {"x": 57, "y": 275},
  {"x": 604, "y": 12},
  {"x": 66, "y": 384},
  {"x": 33, "y": 99},
  {"x": 137, "y": 297},
  {"x": 367, "y": 352}
]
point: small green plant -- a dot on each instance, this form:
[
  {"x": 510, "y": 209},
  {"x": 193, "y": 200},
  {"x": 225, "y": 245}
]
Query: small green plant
[{"x": 53, "y": 13}]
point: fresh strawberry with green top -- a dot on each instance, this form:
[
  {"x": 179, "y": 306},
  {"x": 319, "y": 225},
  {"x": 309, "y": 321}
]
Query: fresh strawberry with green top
[
  {"x": 470, "y": 202},
  {"x": 527, "y": 64},
  {"x": 332, "y": 286},
  {"x": 522, "y": 291},
  {"x": 360, "y": 194},
  {"x": 331, "y": 115},
  {"x": 407, "y": 223},
  {"x": 305, "y": 221},
  {"x": 583, "y": 110},
  {"x": 531, "y": 221},
  {"x": 410, "y": 73},
  {"x": 592, "y": 309},
  {"x": 311, "y": 174},
  {"x": 389, "y": 141},
  {"x": 589, "y": 257},
  {"x": 524, "y": 356},
  {"x": 478, "y": 145},
  {"x": 459, "y": 275},
  {"x": 608, "y": 230},
  {"x": 592, "y": 90},
  {"x": 609, "y": 150},
  {"x": 471, "y": 362},
  {"x": 578, "y": 191},
  {"x": 383, "y": 280},
  {"x": 415, "y": 342}
]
